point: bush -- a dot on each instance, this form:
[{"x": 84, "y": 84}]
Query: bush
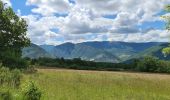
[
  {"x": 5, "y": 95},
  {"x": 148, "y": 64},
  {"x": 15, "y": 62},
  {"x": 9, "y": 80},
  {"x": 16, "y": 78},
  {"x": 10, "y": 77},
  {"x": 164, "y": 67},
  {"x": 152, "y": 64},
  {"x": 32, "y": 92}
]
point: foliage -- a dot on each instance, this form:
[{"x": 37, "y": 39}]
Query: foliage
[
  {"x": 79, "y": 64},
  {"x": 152, "y": 64},
  {"x": 166, "y": 51},
  {"x": 31, "y": 92},
  {"x": 167, "y": 8},
  {"x": 167, "y": 17},
  {"x": 5, "y": 95},
  {"x": 146, "y": 64},
  {"x": 12, "y": 35},
  {"x": 12, "y": 61},
  {"x": 10, "y": 78}
]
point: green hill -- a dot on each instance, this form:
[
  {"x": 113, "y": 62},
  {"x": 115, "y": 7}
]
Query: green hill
[
  {"x": 70, "y": 51},
  {"x": 155, "y": 51},
  {"x": 34, "y": 51}
]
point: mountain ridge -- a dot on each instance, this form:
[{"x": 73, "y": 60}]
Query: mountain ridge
[{"x": 103, "y": 51}]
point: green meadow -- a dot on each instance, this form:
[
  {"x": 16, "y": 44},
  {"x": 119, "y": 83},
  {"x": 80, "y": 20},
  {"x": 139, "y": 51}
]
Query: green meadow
[{"x": 58, "y": 84}]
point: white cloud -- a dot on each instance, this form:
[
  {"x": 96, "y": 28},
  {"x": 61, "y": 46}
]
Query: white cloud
[
  {"x": 39, "y": 29},
  {"x": 125, "y": 23},
  {"x": 100, "y": 6},
  {"x": 145, "y": 9},
  {"x": 80, "y": 21},
  {"x": 85, "y": 21},
  {"x": 152, "y": 35},
  {"x": 49, "y": 7}
]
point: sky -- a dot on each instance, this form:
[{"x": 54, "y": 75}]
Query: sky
[{"x": 58, "y": 21}]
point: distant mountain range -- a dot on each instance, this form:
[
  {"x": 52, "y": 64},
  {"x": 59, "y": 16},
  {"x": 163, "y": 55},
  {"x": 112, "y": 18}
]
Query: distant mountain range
[{"x": 104, "y": 51}]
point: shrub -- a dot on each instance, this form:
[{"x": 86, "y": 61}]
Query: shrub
[
  {"x": 148, "y": 64},
  {"x": 15, "y": 78},
  {"x": 4, "y": 75},
  {"x": 164, "y": 67},
  {"x": 152, "y": 64},
  {"x": 32, "y": 92},
  {"x": 5, "y": 95},
  {"x": 14, "y": 62},
  {"x": 10, "y": 77}
]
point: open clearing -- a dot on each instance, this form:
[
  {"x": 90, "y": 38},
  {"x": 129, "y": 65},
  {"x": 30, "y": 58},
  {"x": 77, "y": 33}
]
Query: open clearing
[{"x": 59, "y": 84}]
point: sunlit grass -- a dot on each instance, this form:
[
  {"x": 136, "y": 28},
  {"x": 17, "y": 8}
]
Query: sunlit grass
[{"x": 92, "y": 85}]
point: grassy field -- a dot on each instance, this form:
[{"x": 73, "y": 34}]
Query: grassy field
[{"x": 58, "y": 84}]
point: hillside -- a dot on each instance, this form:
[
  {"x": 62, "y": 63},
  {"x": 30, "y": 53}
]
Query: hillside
[
  {"x": 104, "y": 51},
  {"x": 122, "y": 50},
  {"x": 34, "y": 51},
  {"x": 85, "y": 52},
  {"x": 153, "y": 51}
]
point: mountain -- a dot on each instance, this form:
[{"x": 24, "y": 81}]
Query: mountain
[
  {"x": 34, "y": 51},
  {"x": 122, "y": 50},
  {"x": 47, "y": 48},
  {"x": 85, "y": 52},
  {"x": 155, "y": 51},
  {"x": 104, "y": 51}
]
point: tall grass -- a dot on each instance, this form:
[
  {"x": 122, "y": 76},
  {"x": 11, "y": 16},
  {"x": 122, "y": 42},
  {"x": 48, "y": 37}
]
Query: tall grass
[
  {"x": 87, "y": 85},
  {"x": 10, "y": 88}
]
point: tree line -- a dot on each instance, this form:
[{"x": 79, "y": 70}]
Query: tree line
[{"x": 146, "y": 64}]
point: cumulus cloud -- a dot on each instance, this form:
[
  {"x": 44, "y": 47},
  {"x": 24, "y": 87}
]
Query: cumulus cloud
[
  {"x": 152, "y": 35},
  {"x": 49, "y": 7},
  {"x": 80, "y": 21},
  {"x": 146, "y": 9},
  {"x": 100, "y": 6},
  {"x": 39, "y": 29},
  {"x": 84, "y": 20}
]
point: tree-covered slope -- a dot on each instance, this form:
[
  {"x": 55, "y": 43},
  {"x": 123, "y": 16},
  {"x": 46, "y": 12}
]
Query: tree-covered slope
[
  {"x": 122, "y": 50},
  {"x": 34, "y": 51},
  {"x": 153, "y": 51},
  {"x": 70, "y": 51}
]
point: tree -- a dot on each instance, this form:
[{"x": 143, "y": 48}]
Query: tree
[
  {"x": 166, "y": 51},
  {"x": 12, "y": 33},
  {"x": 148, "y": 64}
]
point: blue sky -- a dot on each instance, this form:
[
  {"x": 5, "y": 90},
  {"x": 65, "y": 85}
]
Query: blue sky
[
  {"x": 21, "y": 5},
  {"x": 59, "y": 21}
]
